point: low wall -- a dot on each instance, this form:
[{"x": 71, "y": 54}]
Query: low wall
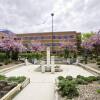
[{"x": 96, "y": 72}]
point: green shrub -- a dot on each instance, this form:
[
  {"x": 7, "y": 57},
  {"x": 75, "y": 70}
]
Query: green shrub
[
  {"x": 69, "y": 78},
  {"x": 61, "y": 84},
  {"x": 90, "y": 79},
  {"x": 60, "y": 77},
  {"x": 98, "y": 59},
  {"x": 67, "y": 87},
  {"x": 2, "y": 57},
  {"x": 79, "y": 76},
  {"x": 2, "y": 77},
  {"x": 69, "y": 90},
  {"x": 7, "y": 61},
  {"x": 31, "y": 55},
  {"x": 98, "y": 77},
  {"x": 93, "y": 78},
  {"x": 98, "y": 90},
  {"x": 19, "y": 79},
  {"x": 81, "y": 81}
]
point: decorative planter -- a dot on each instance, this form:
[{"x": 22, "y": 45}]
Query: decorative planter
[{"x": 15, "y": 90}]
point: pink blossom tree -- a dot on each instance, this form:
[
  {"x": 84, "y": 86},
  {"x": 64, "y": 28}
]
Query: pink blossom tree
[
  {"x": 11, "y": 47},
  {"x": 93, "y": 42}
]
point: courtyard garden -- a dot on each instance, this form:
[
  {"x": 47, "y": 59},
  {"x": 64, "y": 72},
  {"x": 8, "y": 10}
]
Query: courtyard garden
[{"x": 73, "y": 82}]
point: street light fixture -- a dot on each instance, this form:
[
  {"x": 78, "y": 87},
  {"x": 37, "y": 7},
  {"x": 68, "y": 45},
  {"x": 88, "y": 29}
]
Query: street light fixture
[{"x": 52, "y": 14}]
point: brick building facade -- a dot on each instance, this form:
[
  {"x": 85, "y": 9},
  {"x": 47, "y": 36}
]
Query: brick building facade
[{"x": 47, "y": 39}]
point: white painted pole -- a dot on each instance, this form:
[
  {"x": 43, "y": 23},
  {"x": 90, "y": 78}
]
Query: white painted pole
[
  {"x": 52, "y": 64},
  {"x": 26, "y": 62},
  {"x": 43, "y": 66}
]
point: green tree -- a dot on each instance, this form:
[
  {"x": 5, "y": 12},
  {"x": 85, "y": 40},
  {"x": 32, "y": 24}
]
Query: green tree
[{"x": 86, "y": 36}]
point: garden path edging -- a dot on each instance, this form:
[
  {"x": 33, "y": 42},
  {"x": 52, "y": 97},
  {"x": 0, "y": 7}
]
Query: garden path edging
[
  {"x": 89, "y": 68},
  {"x": 11, "y": 68}
]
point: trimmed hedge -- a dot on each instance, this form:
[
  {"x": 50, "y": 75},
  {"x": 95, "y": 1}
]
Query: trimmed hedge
[{"x": 31, "y": 55}]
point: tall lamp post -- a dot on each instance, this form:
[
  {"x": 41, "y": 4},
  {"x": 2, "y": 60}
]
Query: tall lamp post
[{"x": 52, "y": 14}]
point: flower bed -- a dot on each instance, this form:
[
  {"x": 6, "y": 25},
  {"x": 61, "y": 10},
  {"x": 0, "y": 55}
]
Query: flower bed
[
  {"x": 10, "y": 86},
  {"x": 80, "y": 88}
]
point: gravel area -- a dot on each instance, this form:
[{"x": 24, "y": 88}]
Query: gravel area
[{"x": 88, "y": 92}]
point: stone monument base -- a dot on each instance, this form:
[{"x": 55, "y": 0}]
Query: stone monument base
[{"x": 48, "y": 69}]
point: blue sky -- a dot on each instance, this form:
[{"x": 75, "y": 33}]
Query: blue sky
[{"x": 22, "y": 16}]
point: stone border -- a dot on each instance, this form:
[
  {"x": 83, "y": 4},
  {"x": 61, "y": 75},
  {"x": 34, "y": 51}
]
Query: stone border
[
  {"x": 56, "y": 88},
  {"x": 11, "y": 68},
  {"x": 25, "y": 83},
  {"x": 89, "y": 68},
  {"x": 16, "y": 90}
]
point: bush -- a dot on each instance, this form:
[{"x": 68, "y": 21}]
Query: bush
[
  {"x": 79, "y": 76},
  {"x": 98, "y": 77},
  {"x": 81, "y": 81},
  {"x": 69, "y": 78},
  {"x": 2, "y": 77},
  {"x": 61, "y": 84},
  {"x": 93, "y": 78},
  {"x": 2, "y": 57},
  {"x": 31, "y": 55},
  {"x": 90, "y": 79},
  {"x": 7, "y": 61},
  {"x": 19, "y": 79},
  {"x": 69, "y": 89},
  {"x": 60, "y": 77}
]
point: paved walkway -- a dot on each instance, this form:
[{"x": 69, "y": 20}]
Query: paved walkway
[{"x": 41, "y": 85}]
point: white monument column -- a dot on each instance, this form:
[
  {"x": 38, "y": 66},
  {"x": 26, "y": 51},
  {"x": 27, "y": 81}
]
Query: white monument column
[
  {"x": 48, "y": 56},
  {"x": 52, "y": 64}
]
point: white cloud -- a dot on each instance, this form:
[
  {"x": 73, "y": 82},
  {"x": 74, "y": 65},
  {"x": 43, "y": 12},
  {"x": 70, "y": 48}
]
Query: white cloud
[{"x": 34, "y": 15}]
